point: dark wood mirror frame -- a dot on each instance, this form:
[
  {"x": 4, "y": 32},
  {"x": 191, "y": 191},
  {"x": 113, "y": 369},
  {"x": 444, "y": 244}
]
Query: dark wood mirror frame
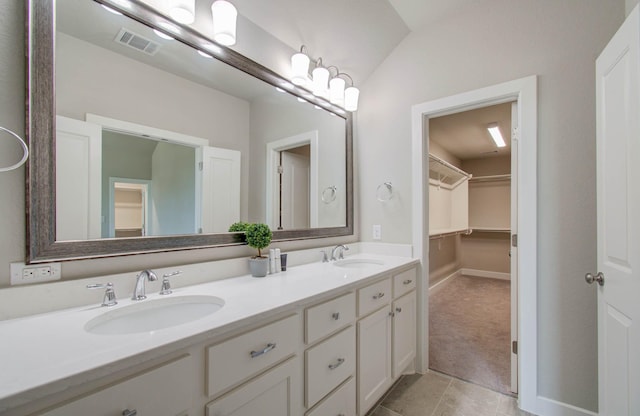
[{"x": 40, "y": 130}]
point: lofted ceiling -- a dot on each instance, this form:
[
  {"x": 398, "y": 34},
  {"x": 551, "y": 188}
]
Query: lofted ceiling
[{"x": 354, "y": 35}]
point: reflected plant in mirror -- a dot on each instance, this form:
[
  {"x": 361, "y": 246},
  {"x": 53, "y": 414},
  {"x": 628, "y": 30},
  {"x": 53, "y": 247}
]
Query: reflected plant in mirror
[{"x": 159, "y": 148}]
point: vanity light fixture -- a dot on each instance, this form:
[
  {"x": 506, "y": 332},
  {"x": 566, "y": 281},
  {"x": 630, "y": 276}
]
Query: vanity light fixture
[
  {"x": 317, "y": 84},
  {"x": 496, "y": 135},
  {"x": 183, "y": 11},
  {"x": 224, "y": 16},
  {"x": 300, "y": 67},
  {"x": 320, "y": 79}
]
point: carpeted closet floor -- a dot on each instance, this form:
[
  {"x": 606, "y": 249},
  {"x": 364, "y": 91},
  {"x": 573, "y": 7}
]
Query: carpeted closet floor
[{"x": 469, "y": 331}]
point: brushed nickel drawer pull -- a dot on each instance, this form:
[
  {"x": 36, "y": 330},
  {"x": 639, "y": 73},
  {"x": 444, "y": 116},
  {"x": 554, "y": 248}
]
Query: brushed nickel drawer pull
[
  {"x": 398, "y": 309},
  {"x": 406, "y": 282},
  {"x": 336, "y": 315},
  {"x": 337, "y": 364},
  {"x": 378, "y": 296},
  {"x": 128, "y": 412},
  {"x": 265, "y": 350}
]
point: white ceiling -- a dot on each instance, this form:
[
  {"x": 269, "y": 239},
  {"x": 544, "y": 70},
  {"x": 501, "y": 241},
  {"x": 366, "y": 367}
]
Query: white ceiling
[
  {"x": 465, "y": 135},
  {"x": 354, "y": 35}
]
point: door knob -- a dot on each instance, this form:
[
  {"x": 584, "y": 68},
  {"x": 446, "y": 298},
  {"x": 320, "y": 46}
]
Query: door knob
[{"x": 597, "y": 278}]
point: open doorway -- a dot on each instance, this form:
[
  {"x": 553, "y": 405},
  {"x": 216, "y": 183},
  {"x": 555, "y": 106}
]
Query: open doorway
[
  {"x": 128, "y": 207},
  {"x": 472, "y": 314}
]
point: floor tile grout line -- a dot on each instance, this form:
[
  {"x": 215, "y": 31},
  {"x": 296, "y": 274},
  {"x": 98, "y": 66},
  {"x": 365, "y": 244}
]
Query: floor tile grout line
[{"x": 441, "y": 397}]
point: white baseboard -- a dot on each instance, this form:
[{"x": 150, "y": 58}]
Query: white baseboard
[
  {"x": 444, "y": 281},
  {"x": 486, "y": 273},
  {"x": 550, "y": 407}
]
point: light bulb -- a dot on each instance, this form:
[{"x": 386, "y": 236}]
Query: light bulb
[
  {"x": 336, "y": 91},
  {"x": 351, "y": 95},
  {"x": 183, "y": 11},
  {"x": 299, "y": 68},
  {"x": 224, "y": 17},
  {"x": 320, "y": 77}
]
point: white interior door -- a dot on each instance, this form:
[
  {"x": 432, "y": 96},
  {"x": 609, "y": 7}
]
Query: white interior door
[
  {"x": 78, "y": 179},
  {"x": 294, "y": 191},
  {"x": 220, "y": 192},
  {"x": 618, "y": 198}
]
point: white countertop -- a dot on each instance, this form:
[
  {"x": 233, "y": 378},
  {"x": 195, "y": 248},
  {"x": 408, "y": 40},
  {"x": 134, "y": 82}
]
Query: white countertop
[{"x": 39, "y": 350}]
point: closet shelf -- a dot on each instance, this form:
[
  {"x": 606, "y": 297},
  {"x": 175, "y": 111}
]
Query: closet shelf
[
  {"x": 491, "y": 229},
  {"x": 446, "y": 233},
  {"x": 444, "y": 174},
  {"x": 491, "y": 178}
]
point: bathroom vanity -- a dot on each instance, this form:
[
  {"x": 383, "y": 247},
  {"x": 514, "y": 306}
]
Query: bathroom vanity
[{"x": 318, "y": 339}]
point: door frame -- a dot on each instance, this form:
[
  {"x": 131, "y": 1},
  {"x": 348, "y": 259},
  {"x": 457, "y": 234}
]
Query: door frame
[
  {"x": 524, "y": 92},
  {"x": 273, "y": 149},
  {"x": 146, "y": 208}
]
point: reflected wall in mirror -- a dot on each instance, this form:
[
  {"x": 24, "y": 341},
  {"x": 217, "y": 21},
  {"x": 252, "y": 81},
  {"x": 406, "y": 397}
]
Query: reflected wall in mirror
[{"x": 193, "y": 143}]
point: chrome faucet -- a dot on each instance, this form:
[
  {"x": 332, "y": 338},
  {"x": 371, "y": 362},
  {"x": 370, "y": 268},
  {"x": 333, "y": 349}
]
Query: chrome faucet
[
  {"x": 338, "y": 252},
  {"x": 138, "y": 291}
]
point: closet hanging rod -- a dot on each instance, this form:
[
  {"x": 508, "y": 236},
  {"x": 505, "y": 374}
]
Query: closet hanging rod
[
  {"x": 451, "y": 233},
  {"x": 491, "y": 178}
]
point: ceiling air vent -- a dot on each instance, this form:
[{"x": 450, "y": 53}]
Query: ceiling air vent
[{"x": 138, "y": 42}]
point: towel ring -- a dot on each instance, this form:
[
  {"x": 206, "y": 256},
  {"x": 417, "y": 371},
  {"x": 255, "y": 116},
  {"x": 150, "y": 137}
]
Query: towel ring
[
  {"x": 329, "y": 194},
  {"x": 25, "y": 149},
  {"x": 384, "y": 192}
]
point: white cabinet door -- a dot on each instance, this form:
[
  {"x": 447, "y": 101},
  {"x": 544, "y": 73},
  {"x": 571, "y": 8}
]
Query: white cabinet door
[
  {"x": 374, "y": 358},
  {"x": 276, "y": 392},
  {"x": 618, "y": 200},
  {"x": 404, "y": 332}
]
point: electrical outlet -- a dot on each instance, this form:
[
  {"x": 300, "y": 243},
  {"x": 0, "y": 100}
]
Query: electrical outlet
[
  {"x": 377, "y": 232},
  {"x": 23, "y": 274}
]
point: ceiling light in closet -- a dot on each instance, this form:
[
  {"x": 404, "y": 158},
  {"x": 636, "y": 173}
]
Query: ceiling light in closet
[{"x": 496, "y": 135}]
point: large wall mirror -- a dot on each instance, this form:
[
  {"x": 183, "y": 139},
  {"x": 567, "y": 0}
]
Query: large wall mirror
[{"x": 143, "y": 142}]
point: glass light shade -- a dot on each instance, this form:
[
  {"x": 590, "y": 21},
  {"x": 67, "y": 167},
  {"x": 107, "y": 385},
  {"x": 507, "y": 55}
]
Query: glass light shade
[
  {"x": 224, "y": 17},
  {"x": 351, "y": 95},
  {"x": 183, "y": 11},
  {"x": 336, "y": 91},
  {"x": 299, "y": 68},
  {"x": 320, "y": 77}
]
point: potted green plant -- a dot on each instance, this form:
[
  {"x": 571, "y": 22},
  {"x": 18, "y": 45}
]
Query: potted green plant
[
  {"x": 239, "y": 226},
  {"x": 258, "y": 236}
]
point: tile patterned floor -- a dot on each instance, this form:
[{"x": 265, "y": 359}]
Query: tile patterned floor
[{"x": 436, "y": 394}]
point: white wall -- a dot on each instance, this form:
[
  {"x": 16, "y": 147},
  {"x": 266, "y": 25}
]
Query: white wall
[
  {"x": 275, "y": 121},
  {"x": 485, "y": 44}
]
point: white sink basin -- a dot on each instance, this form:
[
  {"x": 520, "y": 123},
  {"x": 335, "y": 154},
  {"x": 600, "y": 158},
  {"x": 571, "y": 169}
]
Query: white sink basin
[
  {"x": 155, "y": 314},
  {"x": 358, "y": 263}
]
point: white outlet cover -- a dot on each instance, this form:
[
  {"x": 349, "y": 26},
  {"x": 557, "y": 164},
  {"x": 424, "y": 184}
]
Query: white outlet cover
[
  {"x": 377, "y": 232},
  {"x": 17, "y": 270}
]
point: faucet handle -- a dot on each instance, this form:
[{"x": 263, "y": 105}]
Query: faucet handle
[
  {"x": 166, "y": 284},
  {"x": 109, "y": 294},
  {"x": 324, "y": 256}
]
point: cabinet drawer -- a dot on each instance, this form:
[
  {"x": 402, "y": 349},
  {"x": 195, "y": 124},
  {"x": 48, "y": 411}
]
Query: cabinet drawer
[
  {"x": 328, "y": 364},
  {"x": 323, "y": 319},
  {"x": 171, "y": 394},
  {"x": 374, "y": 296},
  {"x": 404, "y": 282},
  {"x": 340, "y": 402},
  {"x": 237, "y": 359}
]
